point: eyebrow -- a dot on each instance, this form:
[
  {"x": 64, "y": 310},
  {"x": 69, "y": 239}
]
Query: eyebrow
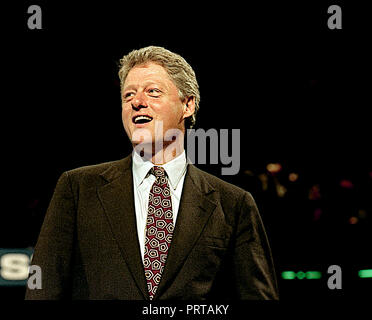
[{"x": 144, "y": 84}]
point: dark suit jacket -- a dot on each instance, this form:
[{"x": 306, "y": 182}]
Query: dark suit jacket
[{"x": 88, "y": 245}]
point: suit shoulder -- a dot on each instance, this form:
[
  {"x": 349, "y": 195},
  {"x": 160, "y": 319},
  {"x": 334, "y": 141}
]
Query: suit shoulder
[
  {"x": 91, "y": 173},
  {"x": 232, "y": 199},
  {"x": 94, "y": 169},
  {"x": 222, "y": 186}
]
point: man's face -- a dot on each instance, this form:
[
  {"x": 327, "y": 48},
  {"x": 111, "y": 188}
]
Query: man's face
[{"x": 149, "y": 96}]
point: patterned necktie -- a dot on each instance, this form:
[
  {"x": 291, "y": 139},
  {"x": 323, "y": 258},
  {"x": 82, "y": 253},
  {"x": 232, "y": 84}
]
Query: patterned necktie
[{"x": 159, "y": 230}]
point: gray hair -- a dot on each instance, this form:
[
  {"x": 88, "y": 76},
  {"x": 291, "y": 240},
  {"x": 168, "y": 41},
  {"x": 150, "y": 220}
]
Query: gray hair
[{"x": 179, "y": 71}]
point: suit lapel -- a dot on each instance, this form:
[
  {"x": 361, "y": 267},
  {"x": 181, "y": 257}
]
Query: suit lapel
[
  {"x": 194, "y": 211},
  {"x": 118, "y": 201}
]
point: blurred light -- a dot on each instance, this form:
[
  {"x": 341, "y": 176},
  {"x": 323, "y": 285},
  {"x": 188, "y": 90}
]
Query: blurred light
[
  {"x": 33, "y": 203},
  {"x": 353, "y": 220},
  {"x": 313, "y": 275},
  {"x": 301, "y": 275},
  {"x": 312, "y": 83},
  {"x": 264, "y": 181},
  {"x": 367, "y": 273},
  {"x": 314, "y": 193},
  {"x": 274, "y": 167},
  {"x": 249, "y": 173},
  {"x": 291, "y": 275},
  {"x": 346, "y": 184},
  {"x": 317, "y": 213},
  {"x": 293, "y": 177},
  {"x": 370, "y": 174},
  {"x": 288, "y": 275},
  {"x": 362, "y": 213},
  {"x": 281, "y": 190}
]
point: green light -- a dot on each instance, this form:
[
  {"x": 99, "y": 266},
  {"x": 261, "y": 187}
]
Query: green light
[
  {"x": 291, "y": 275},
  {"x": 367, "y": 273},
  {"x": 300, "y": 275},
  {"x": 288, "y": 275},
  {"x": 313, "y": 275}
]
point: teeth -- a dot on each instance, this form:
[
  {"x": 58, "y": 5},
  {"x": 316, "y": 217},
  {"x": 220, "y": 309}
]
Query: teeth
[{"x": 140, "y": 118}]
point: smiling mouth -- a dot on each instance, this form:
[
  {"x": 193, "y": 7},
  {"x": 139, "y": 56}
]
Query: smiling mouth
[{"x": 141, "y": 119}]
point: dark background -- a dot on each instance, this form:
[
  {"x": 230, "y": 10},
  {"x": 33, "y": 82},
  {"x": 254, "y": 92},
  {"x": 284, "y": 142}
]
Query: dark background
[{"x": 299, "y": 93}]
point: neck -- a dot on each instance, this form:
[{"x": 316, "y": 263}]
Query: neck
[{"x": 160, "y": 156}]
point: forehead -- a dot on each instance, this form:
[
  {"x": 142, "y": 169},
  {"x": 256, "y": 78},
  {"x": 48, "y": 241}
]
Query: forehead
[{"x": 147, "y": 72}]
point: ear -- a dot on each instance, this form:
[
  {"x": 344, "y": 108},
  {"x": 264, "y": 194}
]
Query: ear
[{"x": 188, "y": 107}]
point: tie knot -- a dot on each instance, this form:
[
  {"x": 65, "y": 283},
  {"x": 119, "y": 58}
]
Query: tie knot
[{"x": 158, "y": 172}]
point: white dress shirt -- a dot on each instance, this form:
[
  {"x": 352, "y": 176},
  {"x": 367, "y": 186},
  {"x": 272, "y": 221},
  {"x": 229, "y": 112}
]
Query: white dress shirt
[{"x": 143, "y": 181}]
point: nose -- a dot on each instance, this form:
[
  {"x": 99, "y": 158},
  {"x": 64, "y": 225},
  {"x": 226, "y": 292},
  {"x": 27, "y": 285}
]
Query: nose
[{"x": 139, "y": 102}]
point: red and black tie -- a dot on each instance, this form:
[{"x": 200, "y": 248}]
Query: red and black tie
[{"x": 159, "y": 229}]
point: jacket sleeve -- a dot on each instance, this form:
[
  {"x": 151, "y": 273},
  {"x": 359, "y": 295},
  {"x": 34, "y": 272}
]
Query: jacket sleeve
[
  {"x": 253, "y": 265},
  {"x": 53, "y": 250}
]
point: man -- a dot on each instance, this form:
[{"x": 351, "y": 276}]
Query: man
[{"x": 152, "y": 226}]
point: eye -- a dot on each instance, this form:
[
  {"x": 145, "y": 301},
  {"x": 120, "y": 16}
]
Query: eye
[
  {"x": 154, "y": 92},
  {"x": 128, "y": 95}
]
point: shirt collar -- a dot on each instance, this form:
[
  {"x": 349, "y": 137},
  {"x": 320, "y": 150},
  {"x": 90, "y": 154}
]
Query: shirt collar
[{"x": 175, "y": 168}]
